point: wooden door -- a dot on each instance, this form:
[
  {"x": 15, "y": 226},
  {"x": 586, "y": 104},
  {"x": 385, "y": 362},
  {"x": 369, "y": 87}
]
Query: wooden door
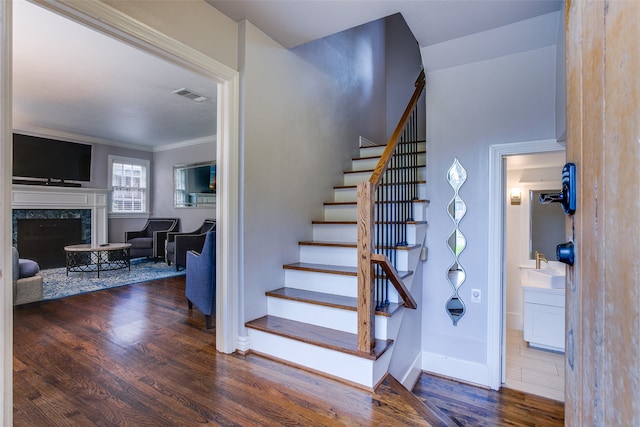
[{"x": 603, "y": 139}]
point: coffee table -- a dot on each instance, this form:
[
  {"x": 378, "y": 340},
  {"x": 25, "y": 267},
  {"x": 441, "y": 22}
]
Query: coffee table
[{"x": 90, "y": 258}]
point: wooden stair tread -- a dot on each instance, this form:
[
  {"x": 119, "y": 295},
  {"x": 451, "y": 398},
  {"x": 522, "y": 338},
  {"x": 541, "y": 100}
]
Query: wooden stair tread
[
  {"x": 408, "y": 153},
  {"x": 333, "y": 269},
  {"x": 356, "y": 203},
  {"x": 388, "y": 169},
  {"x": 349, "y": 245},
  {"x": 348, "y": 187},
  {"x": 323, "y": 222},
  {"x": 317, "y": 335},
  {"x": 399, "y": 142},
  {"x": 328, "y": 300}
]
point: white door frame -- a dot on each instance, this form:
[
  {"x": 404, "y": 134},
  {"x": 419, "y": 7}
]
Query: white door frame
[
  {"x": 105, "y": 19},
  {"x": 496, "y": 351}
]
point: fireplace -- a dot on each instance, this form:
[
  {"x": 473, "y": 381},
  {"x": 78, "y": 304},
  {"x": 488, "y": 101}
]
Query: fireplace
[
  {"x": 89, "y": 204},
  {"x": 43, "y": 240}
]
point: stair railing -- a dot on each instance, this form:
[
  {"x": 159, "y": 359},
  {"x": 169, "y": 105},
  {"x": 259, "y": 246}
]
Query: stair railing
[{"x": 385, "y": 204}]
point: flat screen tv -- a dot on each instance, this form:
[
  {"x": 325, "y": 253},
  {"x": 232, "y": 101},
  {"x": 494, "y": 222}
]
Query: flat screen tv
[{"x": 50, "y": 159}]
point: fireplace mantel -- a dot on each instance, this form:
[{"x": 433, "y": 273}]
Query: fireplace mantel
[{"x": 49, "y": 197}]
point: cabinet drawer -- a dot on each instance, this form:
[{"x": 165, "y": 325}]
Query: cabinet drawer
[{"x": 553, "y": 297}]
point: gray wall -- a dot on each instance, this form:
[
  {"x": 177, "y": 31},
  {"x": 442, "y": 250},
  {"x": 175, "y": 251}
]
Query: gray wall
[
  {"x": 303, "y": 111},
  {"x": 470, "y": 107},
  {"x": 162, "y": 202},
  {"x": 403, "y": 65}
]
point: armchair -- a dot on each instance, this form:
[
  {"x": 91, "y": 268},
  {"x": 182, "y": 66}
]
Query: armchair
[
  {"x": 178, "y": 243},
  {"x": 201, "y": 278},
  {"x": 149, "y": 242},
  {"x": 27, "y": 281}
]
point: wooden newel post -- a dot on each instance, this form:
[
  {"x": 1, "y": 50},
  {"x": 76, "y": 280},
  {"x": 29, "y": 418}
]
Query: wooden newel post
[{"x": 366, "y": 304}]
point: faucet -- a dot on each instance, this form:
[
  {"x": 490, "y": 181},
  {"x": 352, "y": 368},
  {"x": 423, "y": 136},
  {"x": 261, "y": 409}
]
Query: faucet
[{"x": 540, "y": 257}]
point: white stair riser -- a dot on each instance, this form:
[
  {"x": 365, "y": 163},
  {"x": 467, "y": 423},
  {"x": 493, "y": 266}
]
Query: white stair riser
[
  {"x": 327, "y": 317},
  {"x": 350, "y": 212},
  {"x": 356, "y": 177},
  {"x": 335, "y": 233},
  {"x": 342, "y": 365},
  {"x": 328, "y": 255},
  {"x": 348, "y": 256},
  {"x": 335, "y": 284},
  {"x": 377, "y": 151},
  {"x": 348, "y": 233},
  {"x": 371, "y": 163},
  {"x": 350, "y": 194}
]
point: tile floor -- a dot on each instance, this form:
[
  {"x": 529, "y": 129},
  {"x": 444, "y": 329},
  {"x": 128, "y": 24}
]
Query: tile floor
[{"x": 533, "y": 371}]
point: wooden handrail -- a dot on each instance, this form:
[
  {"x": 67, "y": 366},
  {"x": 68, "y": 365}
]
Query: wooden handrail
[
  {"x": 376, "y": 176},
  {"x": 383, "y": 261},
  {"x": 366, "y": 193}
]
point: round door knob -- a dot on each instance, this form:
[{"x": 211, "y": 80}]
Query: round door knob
[{"x": 565, "y": 253}]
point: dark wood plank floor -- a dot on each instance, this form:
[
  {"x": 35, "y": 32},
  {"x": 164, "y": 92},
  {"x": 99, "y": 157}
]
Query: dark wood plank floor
[
  {"x": 135, "y": 356},
  {"x": 468, "y": 405}
]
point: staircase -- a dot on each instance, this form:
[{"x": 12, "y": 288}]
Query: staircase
[{"x": 312, "y": 319}]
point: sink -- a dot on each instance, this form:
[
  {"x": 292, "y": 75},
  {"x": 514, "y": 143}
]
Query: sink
[{"x": 548, "y": 277}]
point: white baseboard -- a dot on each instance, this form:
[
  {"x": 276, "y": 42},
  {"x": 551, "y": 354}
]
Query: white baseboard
[
  {"x": 463, "y": 370},
  {"x": 410, "y": 378},
  {"x": 515, "y": 321},
  {"x": 364, "y": 142},
  {"x": 243, "y": 343}
]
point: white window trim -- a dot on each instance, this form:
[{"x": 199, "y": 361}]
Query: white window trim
[{"x": 132, "y": 161}]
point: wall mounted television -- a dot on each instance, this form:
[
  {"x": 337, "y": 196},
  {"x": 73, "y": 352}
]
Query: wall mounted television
[{"x": 52, "y": 160}]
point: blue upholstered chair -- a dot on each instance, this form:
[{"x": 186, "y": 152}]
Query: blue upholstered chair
[
  {"x": 201, "y": 278},
  {"x": 27, "y": 281},
  {"x": 149, "y": 242},
  {"x": 179, "y": 243}
]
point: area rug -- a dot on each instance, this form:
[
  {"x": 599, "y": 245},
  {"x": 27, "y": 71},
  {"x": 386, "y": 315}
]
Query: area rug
[{"x": 56, "y": 284}]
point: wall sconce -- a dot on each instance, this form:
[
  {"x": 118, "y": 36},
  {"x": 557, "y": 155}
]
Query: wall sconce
[{"x": 516, "y": 196}]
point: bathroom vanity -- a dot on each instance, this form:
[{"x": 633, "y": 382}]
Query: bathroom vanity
[{"x": 544, "y": 306}]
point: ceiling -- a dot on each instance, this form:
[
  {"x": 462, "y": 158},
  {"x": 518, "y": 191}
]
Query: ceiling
[
  {"x": 57, "y": 63},
  {"x": 294, "y": 22},
  {"x": 74, "y": 83}
]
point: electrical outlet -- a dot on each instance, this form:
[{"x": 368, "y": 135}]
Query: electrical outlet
[
  {"x": 476, "y": 295},
  {"x": 424, "y": 253}
]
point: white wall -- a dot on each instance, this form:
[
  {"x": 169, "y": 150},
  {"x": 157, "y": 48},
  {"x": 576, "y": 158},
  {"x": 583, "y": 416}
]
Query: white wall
[
  {"x": 194, "y": 23},
  {"x": 303, "y": 112},
  {"x": 469, "y": 108}
]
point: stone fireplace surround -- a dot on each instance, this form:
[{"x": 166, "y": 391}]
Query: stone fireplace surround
[{"x": 39, "y": 197}]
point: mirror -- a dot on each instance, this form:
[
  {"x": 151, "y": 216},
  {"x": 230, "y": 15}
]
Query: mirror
[
  {"x": 194, "y": 186},
  {"x": 457, "y": 242},
  {"x": 546, "y": 225}
]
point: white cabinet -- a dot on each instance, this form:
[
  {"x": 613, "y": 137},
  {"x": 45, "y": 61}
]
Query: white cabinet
[{"x": 544, "y": 317}]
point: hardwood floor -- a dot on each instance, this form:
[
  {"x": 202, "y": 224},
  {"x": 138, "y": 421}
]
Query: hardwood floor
[
  {"x": 135, "y": 356},
  {"x": 468, "y": 405}
]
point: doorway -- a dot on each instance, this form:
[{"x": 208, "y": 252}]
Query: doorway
[
  {"x": 103, "y": 18},
  {"x": 526, "y": 367},
  {"x": 496, "y": 293}
]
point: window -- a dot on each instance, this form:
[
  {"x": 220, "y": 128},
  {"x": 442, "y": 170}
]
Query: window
[{"x": 128, "y": 180}]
